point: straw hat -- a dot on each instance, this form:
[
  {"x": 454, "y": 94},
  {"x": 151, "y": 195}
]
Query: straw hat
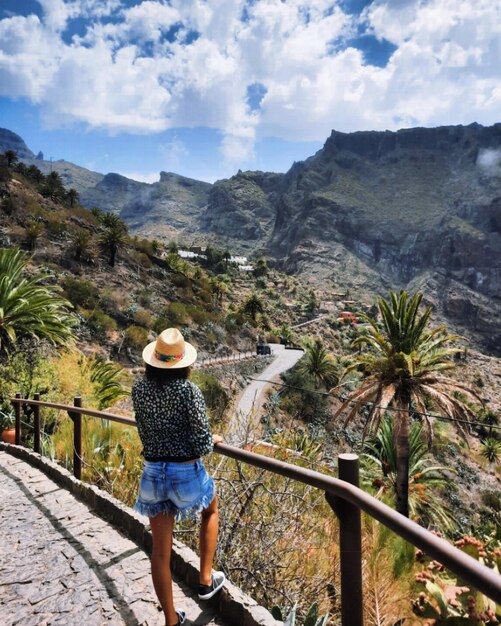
[{"x": 169, "y": 350}]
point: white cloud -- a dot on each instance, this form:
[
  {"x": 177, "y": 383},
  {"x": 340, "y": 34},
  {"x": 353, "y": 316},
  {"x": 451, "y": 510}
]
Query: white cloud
[
  {"x": 490, "y": 161},
  {"x": 174, "y": 152},
  {"x": 123, "y": 74}
]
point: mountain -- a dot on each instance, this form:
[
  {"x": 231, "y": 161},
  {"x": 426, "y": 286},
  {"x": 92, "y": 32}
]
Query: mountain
[
  {"x": 419, "y": 208},
  {"x": 11, "y": 141}
]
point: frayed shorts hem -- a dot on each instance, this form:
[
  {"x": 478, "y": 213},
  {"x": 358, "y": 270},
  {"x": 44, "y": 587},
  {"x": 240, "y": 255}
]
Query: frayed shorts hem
[{"x": 169, "y": 508}]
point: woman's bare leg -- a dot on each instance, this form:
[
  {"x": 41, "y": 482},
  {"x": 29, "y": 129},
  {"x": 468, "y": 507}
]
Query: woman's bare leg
[
  {"x": 208, "y": 541},
  {"x": 162, "y": 526}
]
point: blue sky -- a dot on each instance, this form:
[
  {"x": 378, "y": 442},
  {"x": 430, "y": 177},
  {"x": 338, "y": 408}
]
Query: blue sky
[{"x": 206, "y": 87}]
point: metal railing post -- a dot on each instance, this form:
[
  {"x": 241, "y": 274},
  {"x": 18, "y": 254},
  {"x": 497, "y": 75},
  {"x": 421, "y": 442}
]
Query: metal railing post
[
  {"x": 350, "y": 545},
  {"x": 17, "y": 413},
  {"x": 36, "y": 420},
  {"x": 77, "y": 438}
]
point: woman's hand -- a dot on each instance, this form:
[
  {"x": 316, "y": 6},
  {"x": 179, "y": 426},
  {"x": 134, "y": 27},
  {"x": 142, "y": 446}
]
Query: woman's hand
[{"x": 217, "y": 439}]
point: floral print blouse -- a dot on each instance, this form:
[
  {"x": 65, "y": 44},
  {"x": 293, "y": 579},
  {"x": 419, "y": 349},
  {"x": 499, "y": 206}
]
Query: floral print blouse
[{"x": 171, "y": 420}]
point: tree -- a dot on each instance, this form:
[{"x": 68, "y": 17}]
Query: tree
[
  {"x": 319, "y": 364},
  {"x": 110, "y": 220},
  {"x": 379, "y": 469},
  {"x": 114, "y": 234},
  {"x": 106, "y": 378},
  {"x": 81, "y": 245},
  {"x": 261, "y": 268},
  {"x": 252, "y": 306},
  {"x": 286, "y": 335},
  {"x": 34, "y": 174},
  {"x": 403, "y": 369},
  {"x": 11, "y": 157},
  {"x": 28, "y": 308},
  {"x": 33, "y": 232},
  {"x": 72, "y": 196},
  {"x": 112, "y": 239},
  {"x": 219, "y": 287},
  {"x": 52, "y": 187}
]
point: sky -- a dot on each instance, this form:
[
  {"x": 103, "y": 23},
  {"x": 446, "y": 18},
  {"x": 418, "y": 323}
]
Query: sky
[{"x": 206, "y": 87}]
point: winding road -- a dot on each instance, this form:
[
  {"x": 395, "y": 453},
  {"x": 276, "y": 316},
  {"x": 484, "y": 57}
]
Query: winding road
[{"x": 245, "y": 417}]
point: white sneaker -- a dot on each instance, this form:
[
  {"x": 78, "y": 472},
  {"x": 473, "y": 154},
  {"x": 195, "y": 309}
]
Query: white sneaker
[{"x": 207, "y": 591}]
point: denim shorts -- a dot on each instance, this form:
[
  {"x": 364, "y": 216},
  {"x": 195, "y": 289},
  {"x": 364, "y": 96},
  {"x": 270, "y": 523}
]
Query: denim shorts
[{"x": 182, "y": 489}]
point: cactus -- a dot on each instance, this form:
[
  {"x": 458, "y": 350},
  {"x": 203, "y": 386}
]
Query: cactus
[{"x": 446, "y": 601}]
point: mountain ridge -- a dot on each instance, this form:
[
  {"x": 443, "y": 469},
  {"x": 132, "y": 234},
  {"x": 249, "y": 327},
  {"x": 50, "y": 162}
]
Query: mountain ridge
[{"x": 369, "y": 211}]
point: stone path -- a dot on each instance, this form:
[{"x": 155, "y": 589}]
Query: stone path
[{"x": 62, "y": 565}]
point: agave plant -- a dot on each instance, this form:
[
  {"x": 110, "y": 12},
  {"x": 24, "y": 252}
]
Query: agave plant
[
  {"x": 491, "y": 450},
  {"x": 379, "y": 470},
  {"x": 312, "y": 617}
]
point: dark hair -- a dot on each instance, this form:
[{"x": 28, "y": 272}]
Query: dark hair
[{"x": 165, "y": 375}]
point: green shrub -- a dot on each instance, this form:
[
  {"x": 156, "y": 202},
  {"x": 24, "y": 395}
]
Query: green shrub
[
  {"x": 180, "y": 281},
  {"x": 177, "y": 312},
  {"x": 144, "y": 318},
  {"x": 145, "y": 297},
  {"x": 8, "y": 205},
  {"x": 198, "y": 315},
  {"x": 142, "y": 259},
  {"x": 99, "y": 322},
  {"x": 81, "y": 293},
  {"x": 56, "y": 228},
  {"x": 161, "y": 323},
  {"x": 136, "y": 337},
  {"x": 491, "y": 499}
]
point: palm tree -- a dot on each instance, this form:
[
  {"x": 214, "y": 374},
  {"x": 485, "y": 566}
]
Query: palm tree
[
  {"x": 53, "y": 187},
  {"x": 11, "y": 157},
  {"x": 319, "y": 364},
  {"x": 286, "y": 335},
  {"x": 106, "y": 380},
  {"x": 402, "y": 369},
  {"x": 379, "y": 469},
  {"x": 111, "y": 220},
  {"x": 28, "y": 308},
  {"x": 112, "y": 239},
  {"x": 253, "y": 305},
  {"x": 72, "y": 196},
  {"x": 261, "y": 268},
  {"x": 81, "y": 245},
  {"x": 33, "y": 232},
  {"x": 219, "y": 287}
]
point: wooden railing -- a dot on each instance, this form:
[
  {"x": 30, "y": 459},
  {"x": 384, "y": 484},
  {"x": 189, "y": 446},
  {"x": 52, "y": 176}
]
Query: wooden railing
[{"x": 343, "y": 495}]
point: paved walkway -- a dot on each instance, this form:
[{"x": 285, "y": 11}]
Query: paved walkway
[{"x": 62, "y": 565}]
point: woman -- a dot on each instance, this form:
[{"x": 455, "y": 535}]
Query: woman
[{"x": 174, "y": 430}]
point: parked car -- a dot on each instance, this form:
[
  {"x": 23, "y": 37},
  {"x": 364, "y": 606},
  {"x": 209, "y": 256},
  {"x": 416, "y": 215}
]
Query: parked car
[{"x": 263, "y": 348}]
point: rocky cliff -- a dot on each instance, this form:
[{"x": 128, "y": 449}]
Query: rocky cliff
[{"x": 417, "y": 208}]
